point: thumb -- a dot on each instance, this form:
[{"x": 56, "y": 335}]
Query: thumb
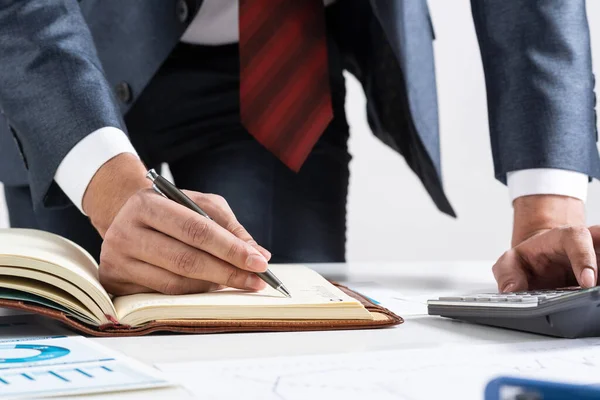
[{"x": 510, "y": 273}]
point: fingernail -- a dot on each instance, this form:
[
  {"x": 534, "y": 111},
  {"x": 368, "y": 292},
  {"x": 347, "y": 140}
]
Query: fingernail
[
  {"x": 588, "y": 277},
  {"x": 508, "y": 288},
  {"x": 256, "y": 262},
  {"x": 253, "y": 282}
]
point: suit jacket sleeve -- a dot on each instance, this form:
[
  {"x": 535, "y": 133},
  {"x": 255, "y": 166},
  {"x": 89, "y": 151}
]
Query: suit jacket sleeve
[
  {"x": 52, "y": 87},
  {"x": 540, "y": 86}
]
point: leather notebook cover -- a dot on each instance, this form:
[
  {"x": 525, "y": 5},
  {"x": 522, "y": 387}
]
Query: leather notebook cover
[{"x": 382, "y": 317}]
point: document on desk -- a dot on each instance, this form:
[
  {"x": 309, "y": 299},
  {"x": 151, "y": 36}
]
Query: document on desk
[
  {"x": 41, "y": 366},
  {"x": 395, "y": 301},
  {"x": 432, "y": 373}
]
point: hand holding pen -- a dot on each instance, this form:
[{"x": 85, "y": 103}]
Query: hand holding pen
[
  {"x": 155, "y": 245},
  {"x": 167, "y": 189}
]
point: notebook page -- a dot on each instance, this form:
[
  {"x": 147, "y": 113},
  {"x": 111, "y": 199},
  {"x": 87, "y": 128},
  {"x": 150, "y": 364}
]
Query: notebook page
[
  {"x": 306, "y": 286},
  {"x": 33, "y": 248}
]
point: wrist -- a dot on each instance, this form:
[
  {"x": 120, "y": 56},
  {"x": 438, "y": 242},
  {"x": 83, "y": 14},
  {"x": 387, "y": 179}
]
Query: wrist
[
  {"x": 112, "y": 185},
  {"x": 533, "y": 214}
]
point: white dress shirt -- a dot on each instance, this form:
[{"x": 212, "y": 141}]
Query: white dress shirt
[{"x": 216, "y": 24}]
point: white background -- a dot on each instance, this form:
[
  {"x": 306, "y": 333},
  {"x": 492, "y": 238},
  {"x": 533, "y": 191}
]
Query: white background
[{"x": 390, "y": 216}]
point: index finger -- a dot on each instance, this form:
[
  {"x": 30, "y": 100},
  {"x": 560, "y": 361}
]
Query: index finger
[
  {"x": 218, "y": 208},
  {"x": 579, "y": 247}
]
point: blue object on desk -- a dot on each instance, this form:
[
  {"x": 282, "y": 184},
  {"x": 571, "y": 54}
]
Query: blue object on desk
[
  {"x": 508, "y": 388},
  {"x": 372, "y": 300}
]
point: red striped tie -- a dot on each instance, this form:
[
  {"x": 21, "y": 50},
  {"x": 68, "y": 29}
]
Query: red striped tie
[{"x": 285, "y": 98}]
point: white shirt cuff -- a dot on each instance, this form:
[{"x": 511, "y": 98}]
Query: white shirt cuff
[
  {"x": 560, "y": 182},
  {"x": 77, "y": 169}
]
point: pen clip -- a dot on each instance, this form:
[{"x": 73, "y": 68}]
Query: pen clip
[{"x": 152, "y": 175}]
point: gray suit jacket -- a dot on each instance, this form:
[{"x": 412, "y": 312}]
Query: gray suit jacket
[{"x": 68, "y": 68}]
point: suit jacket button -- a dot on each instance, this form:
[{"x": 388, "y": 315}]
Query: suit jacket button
[
  {"x": 123, "y": 91},
  {"x": 183, "y": 11}
]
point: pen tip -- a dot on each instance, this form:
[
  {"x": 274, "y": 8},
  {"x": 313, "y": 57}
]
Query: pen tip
[{"x": 283, "y": 290}]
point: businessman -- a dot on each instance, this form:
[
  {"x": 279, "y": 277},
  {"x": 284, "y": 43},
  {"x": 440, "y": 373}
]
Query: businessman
[{"x": 245, "y": 101}]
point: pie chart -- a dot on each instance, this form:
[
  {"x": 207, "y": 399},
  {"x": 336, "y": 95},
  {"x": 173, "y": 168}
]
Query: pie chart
[{"x": 21, "y": 353}]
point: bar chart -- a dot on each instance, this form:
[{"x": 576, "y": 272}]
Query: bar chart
[{"x": 90, "y": 377}]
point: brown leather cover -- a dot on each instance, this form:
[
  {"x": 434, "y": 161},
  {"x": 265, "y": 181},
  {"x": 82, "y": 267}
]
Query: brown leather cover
[{"x": 382, "y": 317}]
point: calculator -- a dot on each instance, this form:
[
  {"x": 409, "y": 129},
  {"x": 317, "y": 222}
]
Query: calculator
[{"x": 566, "y": 313}]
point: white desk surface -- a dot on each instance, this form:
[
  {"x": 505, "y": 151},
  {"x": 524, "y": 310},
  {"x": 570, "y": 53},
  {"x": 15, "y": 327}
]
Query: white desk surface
[{"x": 415, "y": 280}]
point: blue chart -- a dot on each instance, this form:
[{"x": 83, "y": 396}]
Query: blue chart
[
  {"x": 43, "y": 353},
  {"x": 55, "y": 376},
  {"x": 59, "y": 365}
]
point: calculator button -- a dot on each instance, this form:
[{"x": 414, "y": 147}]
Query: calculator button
[
  {"x": 529, "y": 300},
  {"x": 516, "y": 299},
  {"x": 451, "y": 298},
  {"x": 498, "y": 299}
]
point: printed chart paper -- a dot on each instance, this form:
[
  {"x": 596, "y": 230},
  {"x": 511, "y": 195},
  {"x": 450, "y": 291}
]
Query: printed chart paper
[
  {"x": 65, "y": 365},
  {"x": 433, "y": 373}
]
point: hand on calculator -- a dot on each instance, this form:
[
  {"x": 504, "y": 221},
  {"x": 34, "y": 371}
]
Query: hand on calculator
[{"x": 555, "y": 258}]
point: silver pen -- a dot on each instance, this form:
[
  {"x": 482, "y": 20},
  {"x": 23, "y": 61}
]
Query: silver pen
[{"x": 167, "y": 189}]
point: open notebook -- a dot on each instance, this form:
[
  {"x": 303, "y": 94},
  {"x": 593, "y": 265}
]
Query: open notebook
[{"x": 50, "y": 275}]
